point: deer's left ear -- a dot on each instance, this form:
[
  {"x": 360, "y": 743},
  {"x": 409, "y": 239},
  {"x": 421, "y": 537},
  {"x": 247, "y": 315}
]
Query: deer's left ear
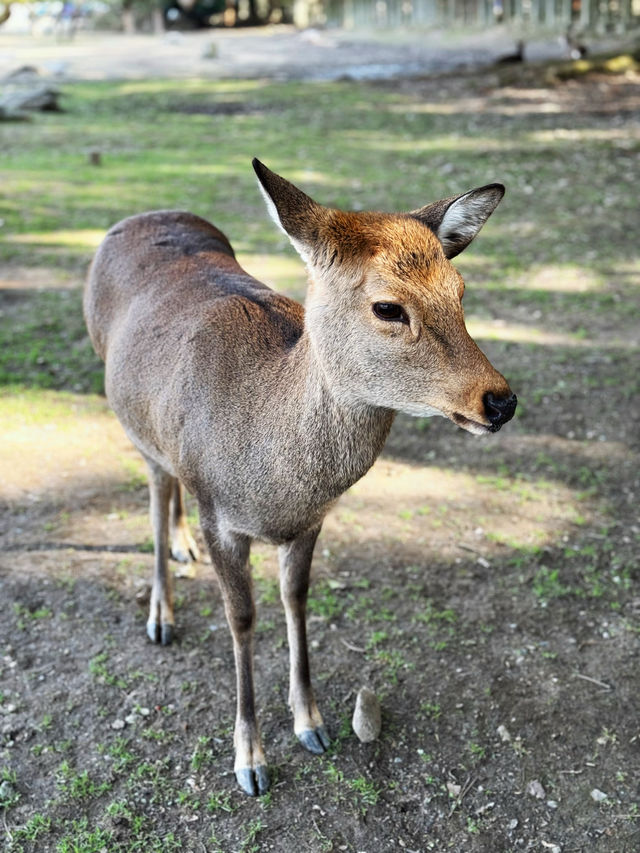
[{"x": 456, "y": 221}]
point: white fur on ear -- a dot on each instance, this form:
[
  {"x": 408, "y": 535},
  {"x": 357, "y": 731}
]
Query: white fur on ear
[
  {"x": 273, "y": 210},
  {"x": 273, "y": 213},
  {"x": 456, "y": 221},
  {"x": 464, "y": 218}
]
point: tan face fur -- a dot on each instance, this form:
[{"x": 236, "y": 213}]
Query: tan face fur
[{"x": 422, "y": 364}]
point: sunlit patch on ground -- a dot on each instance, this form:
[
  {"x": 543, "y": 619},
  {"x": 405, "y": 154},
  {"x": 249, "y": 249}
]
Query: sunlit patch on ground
[
  {"x": 85, "y": 238},
  {"x": 443, "y": 513},
  {"x": 498, "y": 330},
  {"x": 57, "y": 446}
]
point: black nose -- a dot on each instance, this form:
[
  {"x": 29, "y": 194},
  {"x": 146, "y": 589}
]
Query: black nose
[{"x": 499, "y": 410}]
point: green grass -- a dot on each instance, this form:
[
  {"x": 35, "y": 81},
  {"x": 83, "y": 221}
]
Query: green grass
[
  {"x": 45, "y": 344},
  {"x": 78, "y": 785}
]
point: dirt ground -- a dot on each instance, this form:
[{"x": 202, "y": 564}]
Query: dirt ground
[
  {"x": 486, "y": 589},
  {"x": 282, "y": 53}
]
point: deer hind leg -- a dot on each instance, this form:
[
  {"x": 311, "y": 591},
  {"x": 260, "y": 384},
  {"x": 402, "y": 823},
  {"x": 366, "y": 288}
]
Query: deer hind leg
[
  {"x": 160, "y": 626},
  {"x": 295, "y": 564},
  {"x": 231, "y": 561},
  {"x": 183, "y": 545}
]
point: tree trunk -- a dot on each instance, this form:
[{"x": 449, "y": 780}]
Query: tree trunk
[
  {"x": 158, "y": 21},
  {"x": 128, "y": 20},
  {"x": 5, "y": 12},
  {"x": 254, "y": 16}
]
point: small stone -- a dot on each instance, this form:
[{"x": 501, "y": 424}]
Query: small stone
[
  {"x": 145, "y": 712},
  {"x": 535, "y": 789},
  {"x": 453, "y": 789},
  {"x": 513, "y": 824},
  {"x": 367, "y": 718},
  {"x": 503, "y": 733},
  {"x": 118, "y": 724},
  {"x": 7, "y": 709},
  {"x": 130, "y": 720},
  {"x": 7, "y": 792},
  {"x": 598, "y": 795},
  {"x": 552, "y": 804}
]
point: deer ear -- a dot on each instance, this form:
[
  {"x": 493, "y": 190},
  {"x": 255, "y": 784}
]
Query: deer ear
[
  {"x": 456, "y": 221},
  {"x": 292, "y": 210}
]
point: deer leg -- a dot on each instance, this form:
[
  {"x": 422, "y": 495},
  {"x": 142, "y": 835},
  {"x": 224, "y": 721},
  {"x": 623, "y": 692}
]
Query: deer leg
[
  {"x": 160, "y": 624},
  {"x": 231, "y": 561},
  {"x": 295, "y": 564},
  {"x": 183, "y": 545}
]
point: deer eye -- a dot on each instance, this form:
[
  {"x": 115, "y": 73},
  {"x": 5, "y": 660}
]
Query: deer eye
[{"x": 390, "y": 311}]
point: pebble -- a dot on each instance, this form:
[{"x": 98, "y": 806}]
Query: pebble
[
  {"x": 367, "y": 717},
  {"x": 535, "y": 789},
  {"x": 118, "y": 724},
  {"x": 598, "y": 795},
  {"x": 503, "y": 733},
  {"x": 453, "y": 789},
  {"x": 7, "y": 792}
]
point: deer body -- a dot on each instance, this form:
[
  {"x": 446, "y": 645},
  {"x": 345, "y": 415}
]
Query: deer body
[{"x": 266, "y": 412}]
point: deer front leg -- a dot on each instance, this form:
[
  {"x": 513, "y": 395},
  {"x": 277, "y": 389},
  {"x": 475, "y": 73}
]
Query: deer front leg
[
  {"x": 160, "y": 624},
  {"x": 295, "y": 564},
  {"x": 231, "y": 562},
  {"x": 183, "y": 545}
]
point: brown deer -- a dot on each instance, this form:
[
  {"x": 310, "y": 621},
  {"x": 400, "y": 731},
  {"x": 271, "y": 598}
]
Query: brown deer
[{"x": 267, "y": 412}]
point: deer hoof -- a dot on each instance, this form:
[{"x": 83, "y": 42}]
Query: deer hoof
[
  {"x": 153, "y": 632},
  {"x": 160, "y": 633},
  {"x": 184, "y": 549},
  {"x": 253, "y": 781},
  {"x": 315, "y": 740}
]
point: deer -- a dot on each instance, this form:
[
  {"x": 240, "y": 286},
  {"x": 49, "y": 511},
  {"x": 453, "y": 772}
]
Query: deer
[{"x": 267, "y": 411}]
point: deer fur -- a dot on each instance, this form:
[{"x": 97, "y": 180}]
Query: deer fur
[{"x": 267, "y": 411}]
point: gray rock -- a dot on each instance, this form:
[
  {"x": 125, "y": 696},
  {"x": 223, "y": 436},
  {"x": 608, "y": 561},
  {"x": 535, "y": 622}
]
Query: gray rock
[
  {"x": 367, "y": 718},
  {"x": 16, "y": 101},
  {"x": 8, "y": 793},
  {"x": 535, "y": 789}
]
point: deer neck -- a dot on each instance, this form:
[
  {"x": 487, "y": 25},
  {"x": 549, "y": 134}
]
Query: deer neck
[{"x": 338, "y": 434}]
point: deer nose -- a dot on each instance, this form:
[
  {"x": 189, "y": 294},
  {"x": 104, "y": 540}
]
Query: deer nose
[{"x": 499, "y": 410}]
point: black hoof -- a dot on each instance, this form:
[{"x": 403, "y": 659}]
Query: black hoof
[
  {"x": 160, "y": 633},
  {"x": 315, "y": 740},
  {"x": 254, "y": 782},
  {"x": 153, "y": 632}
]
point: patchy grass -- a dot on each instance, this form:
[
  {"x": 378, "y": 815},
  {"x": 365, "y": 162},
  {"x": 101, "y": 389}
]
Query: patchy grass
[{"x": 481, "y": 588}]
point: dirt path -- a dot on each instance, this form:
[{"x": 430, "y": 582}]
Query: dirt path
[{"x": 279, "y": 53}]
